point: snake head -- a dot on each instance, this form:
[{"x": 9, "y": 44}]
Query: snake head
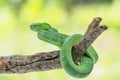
[{"x": 40, "y": 26}]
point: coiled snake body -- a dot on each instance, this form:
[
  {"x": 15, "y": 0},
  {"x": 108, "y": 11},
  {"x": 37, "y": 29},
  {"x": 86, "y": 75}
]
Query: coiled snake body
[{"x": 65, "y": 43}]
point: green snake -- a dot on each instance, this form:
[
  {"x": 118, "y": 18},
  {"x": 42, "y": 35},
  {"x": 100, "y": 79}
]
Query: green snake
[{"x": 65, "y": 42}]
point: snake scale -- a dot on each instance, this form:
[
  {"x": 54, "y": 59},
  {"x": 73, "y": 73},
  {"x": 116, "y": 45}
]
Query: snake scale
[{"x": 65, "y": 42}]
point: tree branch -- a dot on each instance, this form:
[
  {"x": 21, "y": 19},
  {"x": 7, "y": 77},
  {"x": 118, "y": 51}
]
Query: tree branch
[{"x": 43, "y": 61}]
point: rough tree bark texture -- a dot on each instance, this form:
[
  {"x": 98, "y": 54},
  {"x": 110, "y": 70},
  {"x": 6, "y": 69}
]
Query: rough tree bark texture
[{"x": 44, "y": 61}]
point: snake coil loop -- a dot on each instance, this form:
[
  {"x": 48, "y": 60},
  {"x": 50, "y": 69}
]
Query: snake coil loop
[{"x": 65, "y": 43}]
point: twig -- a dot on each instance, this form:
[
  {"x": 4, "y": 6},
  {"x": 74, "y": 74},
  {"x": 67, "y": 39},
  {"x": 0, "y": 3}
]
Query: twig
[
  {"x": 93, "y": 31},
  {"x": 50, "y": 60}
]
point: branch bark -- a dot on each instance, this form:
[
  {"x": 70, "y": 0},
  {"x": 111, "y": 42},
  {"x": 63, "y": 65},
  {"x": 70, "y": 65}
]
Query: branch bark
[{"x": 43, "y": 61}]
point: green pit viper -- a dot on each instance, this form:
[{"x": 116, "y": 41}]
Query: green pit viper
[{"x": 65, "y": 42}]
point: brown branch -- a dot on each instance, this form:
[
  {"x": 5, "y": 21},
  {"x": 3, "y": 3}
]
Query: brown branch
[
  {"x": 50, "y": 60},
  {"x": 93, "y": 31}
]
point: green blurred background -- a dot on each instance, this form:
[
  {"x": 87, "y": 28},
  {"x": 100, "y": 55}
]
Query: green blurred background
[{"x": 68, "y": 16}]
